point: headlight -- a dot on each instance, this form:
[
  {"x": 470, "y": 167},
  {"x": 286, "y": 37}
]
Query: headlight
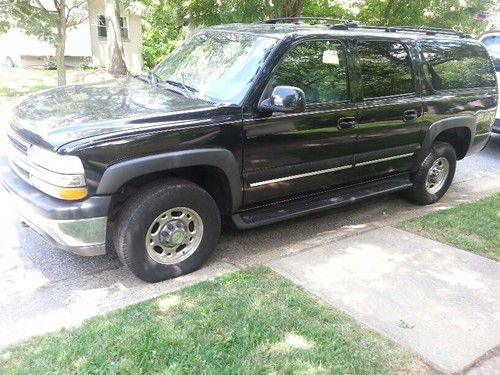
[
  {"x": 65, "y": 164},
  {"x": 61, "y": 176}
]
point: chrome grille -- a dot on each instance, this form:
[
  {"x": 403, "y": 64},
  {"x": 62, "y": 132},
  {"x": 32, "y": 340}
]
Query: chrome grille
[
  {"x": 18, "y": 144},
  {"x": 18, "y": 157}
]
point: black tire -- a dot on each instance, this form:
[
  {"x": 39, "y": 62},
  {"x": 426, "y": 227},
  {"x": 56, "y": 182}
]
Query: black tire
[
  {"x": 144, "y": 207},
  {"x": 420, "y": 193}
]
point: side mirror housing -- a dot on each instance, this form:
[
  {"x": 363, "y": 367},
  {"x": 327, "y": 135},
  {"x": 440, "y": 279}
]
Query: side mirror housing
[{"x": 286, "y": 99}]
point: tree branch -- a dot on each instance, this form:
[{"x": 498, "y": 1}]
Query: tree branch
[
  {"x": 387, "y": 11},
  {"x": 75, "y": 6},
  {"x": 40, "y": 5}
]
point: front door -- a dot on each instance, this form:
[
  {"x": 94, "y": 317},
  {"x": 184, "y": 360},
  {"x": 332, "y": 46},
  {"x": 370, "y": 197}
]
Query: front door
[
  {"x": 390, "y": 110},
  {"x": 292, "y": 154}
]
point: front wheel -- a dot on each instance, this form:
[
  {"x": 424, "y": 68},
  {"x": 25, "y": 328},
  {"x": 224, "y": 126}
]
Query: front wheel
[
  {"x": 435, "y": 175},
  {"x": 167, "y": 229}
]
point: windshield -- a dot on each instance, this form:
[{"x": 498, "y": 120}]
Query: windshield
[
  {"x": 216, "y": 66},
  {"x": 492, "y": 43}
]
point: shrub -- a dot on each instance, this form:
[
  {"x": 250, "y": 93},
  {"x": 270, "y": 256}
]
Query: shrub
[{"x": 50, "y": 65}]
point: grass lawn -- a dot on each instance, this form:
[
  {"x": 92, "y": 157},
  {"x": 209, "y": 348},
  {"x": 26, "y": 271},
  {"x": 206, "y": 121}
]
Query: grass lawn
[
  {"x": 21, "y": 81},
  {"x": 249, "y": 322},
  {"x": 16, "y": 81},
  {"x": 470, "y": 226}
]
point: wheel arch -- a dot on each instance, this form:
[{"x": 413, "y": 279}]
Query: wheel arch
[
  {"x": 193, "y": 165},
  {"x": 458, "y": 131}
]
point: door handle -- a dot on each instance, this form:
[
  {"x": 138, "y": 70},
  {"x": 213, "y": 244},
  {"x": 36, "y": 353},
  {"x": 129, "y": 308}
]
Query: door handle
[
  {"x": 347, "y": 123},
  {"x": 410, "y": 115}
]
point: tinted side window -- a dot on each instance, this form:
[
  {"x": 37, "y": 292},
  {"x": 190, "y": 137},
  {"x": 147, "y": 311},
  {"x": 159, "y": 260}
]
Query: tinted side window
[
  {"x": 385, "y": 69},
  {"x": 457, "y": 65},
  {"x": 316, "y": 67}
]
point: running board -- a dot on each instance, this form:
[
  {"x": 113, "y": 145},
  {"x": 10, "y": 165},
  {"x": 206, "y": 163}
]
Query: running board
[{"x": 299, "y": 207}]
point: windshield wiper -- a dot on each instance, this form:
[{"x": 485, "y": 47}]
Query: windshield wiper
[
  {"x": 151, "y": 78},
  {"x": 154, "y": 78},
  {"x": 187, "y": 89}
]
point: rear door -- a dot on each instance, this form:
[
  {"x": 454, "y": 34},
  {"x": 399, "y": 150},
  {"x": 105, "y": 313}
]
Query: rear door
[{"x": 390, "y": 108}]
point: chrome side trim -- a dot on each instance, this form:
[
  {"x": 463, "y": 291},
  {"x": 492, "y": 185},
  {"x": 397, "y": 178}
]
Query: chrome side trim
[
  {"x": 329, "y": 170},
  {"x": 384, "y": 159},
  {"x": 322, "y": 171}
]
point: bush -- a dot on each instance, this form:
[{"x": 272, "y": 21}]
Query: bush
[
  {"x": 50, "y": 65},
  {"x": 86, "y": 65}
]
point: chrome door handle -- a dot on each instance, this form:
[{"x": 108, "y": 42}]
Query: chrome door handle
[
  {"x": 410, "y": 115},
  {"x": 347, "y": 123}
]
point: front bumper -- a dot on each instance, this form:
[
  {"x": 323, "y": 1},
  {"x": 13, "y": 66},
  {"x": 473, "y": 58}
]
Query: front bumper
[{"x": 78, "y": 227}]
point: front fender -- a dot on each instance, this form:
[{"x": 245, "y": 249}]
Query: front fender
[{"x": 120, "y": 173}]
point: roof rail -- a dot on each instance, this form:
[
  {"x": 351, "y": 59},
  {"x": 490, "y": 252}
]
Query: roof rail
[
  {"x": 418, "y": 29},
  {"x": 347, "y": 24},
  {"x": 299, "y": 19}
]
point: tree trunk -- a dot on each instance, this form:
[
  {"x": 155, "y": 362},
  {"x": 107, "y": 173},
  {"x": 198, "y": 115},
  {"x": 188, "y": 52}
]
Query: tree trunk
[
  {"x": 387, "y": 12},
  {"x": 290, "y": 8},
  {"x": 115, "y": 43},
  {"x": 61, "y": 44}
]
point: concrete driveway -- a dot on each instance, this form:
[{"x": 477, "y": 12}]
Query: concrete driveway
[{"x": 43, "y": 289}]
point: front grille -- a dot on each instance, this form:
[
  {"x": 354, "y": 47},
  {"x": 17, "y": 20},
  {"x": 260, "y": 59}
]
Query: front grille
[
  {"x": 18, "y": 157},
  {"x": 18, "y": 144}
]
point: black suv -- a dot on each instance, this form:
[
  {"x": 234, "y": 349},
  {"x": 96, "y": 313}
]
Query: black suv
[{"x": 249, "y": 125}]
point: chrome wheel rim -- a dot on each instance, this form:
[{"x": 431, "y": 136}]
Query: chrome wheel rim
[
  {"x": 174, "y": 235},
  {"x": 437, "y": 175}
]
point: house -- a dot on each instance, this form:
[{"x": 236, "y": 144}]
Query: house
[{"x": 85, "y": 43}]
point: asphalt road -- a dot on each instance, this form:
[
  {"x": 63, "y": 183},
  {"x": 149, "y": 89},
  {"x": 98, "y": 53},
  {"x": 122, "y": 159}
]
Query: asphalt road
[{"x": 31, "y": 270}]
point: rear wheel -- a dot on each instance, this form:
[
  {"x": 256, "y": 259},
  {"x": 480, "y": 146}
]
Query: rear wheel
[
  {"x": 167, "y": 229},
  {"x": 435, "y": 175}
]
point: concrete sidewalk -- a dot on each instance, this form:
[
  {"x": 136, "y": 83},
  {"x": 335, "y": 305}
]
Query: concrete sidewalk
[{"x": 441, "y": 302}]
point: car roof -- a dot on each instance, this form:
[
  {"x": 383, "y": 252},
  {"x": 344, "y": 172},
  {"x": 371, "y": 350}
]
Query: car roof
[{"x": 299, "y": 29}]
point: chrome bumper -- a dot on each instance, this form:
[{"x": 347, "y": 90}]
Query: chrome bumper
[
  {"x": 78, "y": 227},
  {"x": 85, "y": 237}
]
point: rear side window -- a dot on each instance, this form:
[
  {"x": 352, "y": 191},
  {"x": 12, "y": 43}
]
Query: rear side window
[
  {"x": 457, "y": 65},
  {"x": 385, "y": 69}
]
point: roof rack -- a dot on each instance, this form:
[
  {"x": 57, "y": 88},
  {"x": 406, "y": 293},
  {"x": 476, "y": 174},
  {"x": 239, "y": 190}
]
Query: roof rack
[
  {"x": 417, "y": 29},
  {"x": 344, "y": 24},
  {"x": 299, "y": 19}
]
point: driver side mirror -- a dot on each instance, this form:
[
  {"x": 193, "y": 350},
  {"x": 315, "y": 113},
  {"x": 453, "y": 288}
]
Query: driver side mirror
[{"x": 286, "y": 99}]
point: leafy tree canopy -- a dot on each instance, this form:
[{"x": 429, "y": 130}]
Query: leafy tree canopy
[
  {"x": 167, "y": 22},
  {"x": 39, "y": 19}
]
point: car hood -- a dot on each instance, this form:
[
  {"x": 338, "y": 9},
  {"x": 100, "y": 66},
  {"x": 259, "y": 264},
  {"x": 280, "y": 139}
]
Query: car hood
[{"x": 54, "y": 117}]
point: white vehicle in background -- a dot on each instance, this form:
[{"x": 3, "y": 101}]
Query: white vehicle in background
[{"x": 492, "y": 42}]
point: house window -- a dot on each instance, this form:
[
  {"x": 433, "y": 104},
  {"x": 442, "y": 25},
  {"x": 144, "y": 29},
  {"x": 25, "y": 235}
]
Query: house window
[
  {"x": 101, "y": 27},
  {"x": 102, "y": 31},
  {"x": 124, "y": 27}
]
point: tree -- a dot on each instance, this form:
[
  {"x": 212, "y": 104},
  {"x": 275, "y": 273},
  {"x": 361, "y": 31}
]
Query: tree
[
  {"x": 115, "y": 43},
  {"x": 167, "y": 22},
  {"x": 459, "y": 14},
  {"x": 289, "y": 8},
  {"x": 47, "y": 23}
]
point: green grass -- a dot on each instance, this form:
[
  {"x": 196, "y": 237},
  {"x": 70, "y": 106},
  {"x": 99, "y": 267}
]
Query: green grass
[
  {"x": 470, "y": 226},
  {"x": 249, "y": 322},
  {"x": 17, "y": 81}
]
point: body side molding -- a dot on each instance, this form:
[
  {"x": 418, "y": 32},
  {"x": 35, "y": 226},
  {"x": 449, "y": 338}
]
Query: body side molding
[{"x": 118, "y": 174}]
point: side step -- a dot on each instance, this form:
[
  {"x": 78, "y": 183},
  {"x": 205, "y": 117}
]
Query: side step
[{"x": 303, "y": 206}]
